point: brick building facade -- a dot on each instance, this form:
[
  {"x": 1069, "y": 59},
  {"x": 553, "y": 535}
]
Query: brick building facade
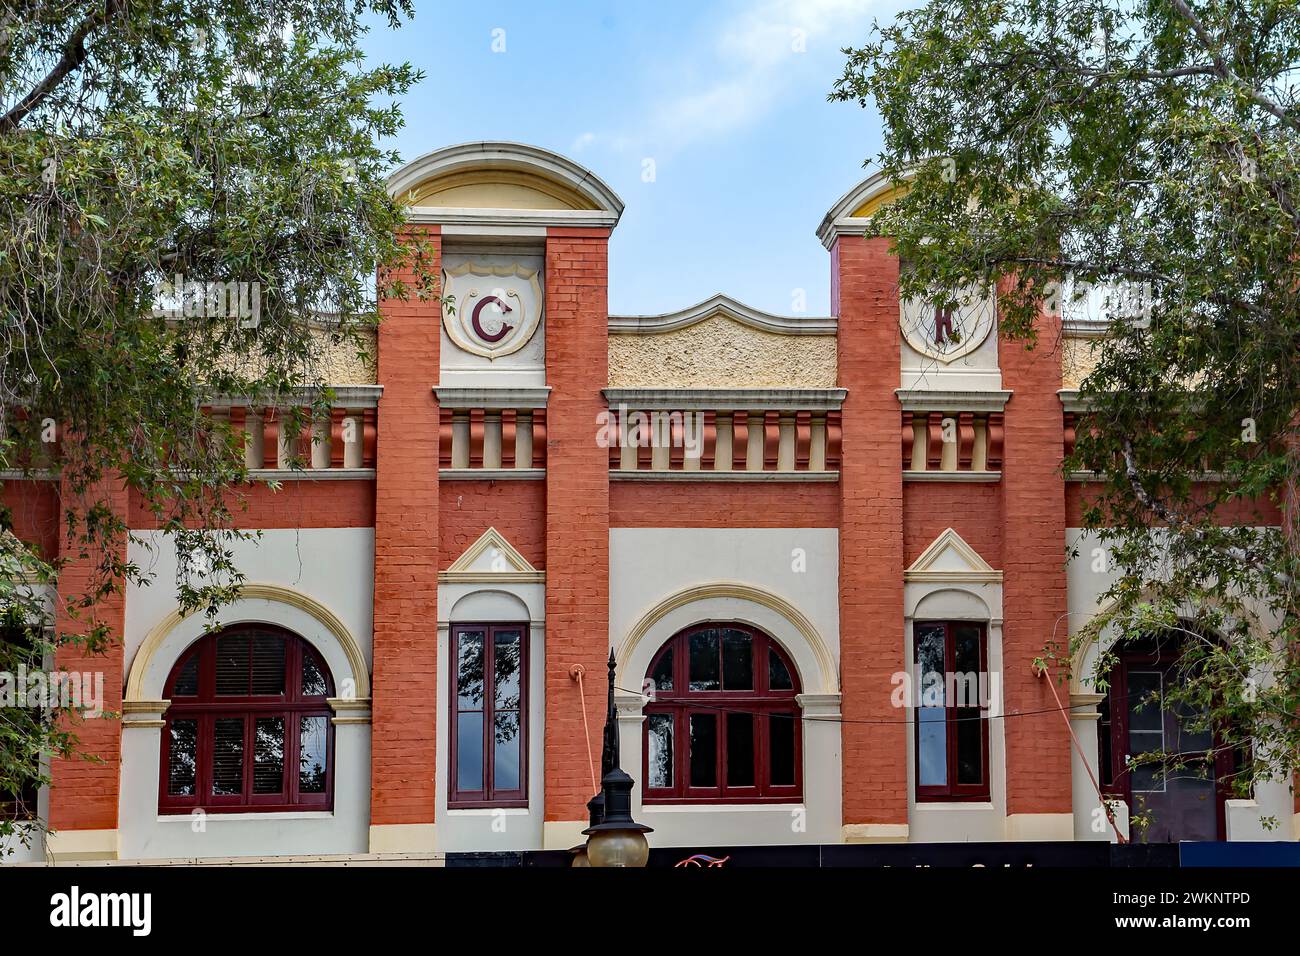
[{"x": 778, "y": 524}]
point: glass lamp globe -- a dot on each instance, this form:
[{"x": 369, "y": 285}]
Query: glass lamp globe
[{"x": 624, "y": 848}]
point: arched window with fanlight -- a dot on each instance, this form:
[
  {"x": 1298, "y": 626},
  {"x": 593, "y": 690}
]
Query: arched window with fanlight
[
  {"x": 248, "y": 727},
  {"x": 722, "y": 724}
]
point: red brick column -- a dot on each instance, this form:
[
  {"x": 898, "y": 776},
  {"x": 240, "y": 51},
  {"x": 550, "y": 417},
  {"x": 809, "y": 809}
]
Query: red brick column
[
  {"x": 1034, "y": 585},
  {"x": 865, "y": 297},
  {"x": 84, "y": 793},
  {"x": 577, "y": 515},
  {"x": 404, "y": 686}
]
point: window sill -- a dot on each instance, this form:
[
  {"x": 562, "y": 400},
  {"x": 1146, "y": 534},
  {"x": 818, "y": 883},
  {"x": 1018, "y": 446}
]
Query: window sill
[
  {"x": 954, "y": 805},
  {"x": 187, "y": 816},
  {"x": 487, "y": 811},
  {"x": 721, "y": 807}
]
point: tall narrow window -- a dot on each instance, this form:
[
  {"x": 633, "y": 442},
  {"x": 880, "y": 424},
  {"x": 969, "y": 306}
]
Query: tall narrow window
[
  {"x": 248, "y": 727},
  {"x": 722, "y": 724},
  {"x": 951, "y": 726},
  {"x": 489, "y": 712}
]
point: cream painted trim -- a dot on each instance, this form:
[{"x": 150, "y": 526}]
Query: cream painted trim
[
  {"x": 922, "y": 569},
  {"x": 253, "y": 592},
  {"x": 727, "y": 307},
  {"x": 563, "y": 834},
  {"x": 403, "y": 838},
  {"x": 875, "y": 832},
  {"x": 1084, "y": 706},
  {"x": 1040, "y": 826},
  {"x": 67, "y": 846},
  {"x": 743, "y": 592},
  {"x": 144, "y": 713}
]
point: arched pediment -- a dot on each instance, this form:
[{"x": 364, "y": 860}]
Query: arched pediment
[{"x": 500, "y": 176}]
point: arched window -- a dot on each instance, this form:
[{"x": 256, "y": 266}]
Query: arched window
[
  {"x": 722, "y": 724},
  {"x": 248, "y": 727}
]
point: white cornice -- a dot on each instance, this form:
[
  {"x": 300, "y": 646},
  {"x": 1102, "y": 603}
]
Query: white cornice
[
  {"x": 840, "y": 221},
  {"x": 936, "y": 400},
  {"x": 728, "y": 399},
  {"x": 1072, "y": 401},
  {"x": 727, "y": 307},
  {"x": 968, "y": 477},
  {"x": 345, "y": 396},
  {"x": 508, "y": 396},
  {"x": 504, "y": 222}
]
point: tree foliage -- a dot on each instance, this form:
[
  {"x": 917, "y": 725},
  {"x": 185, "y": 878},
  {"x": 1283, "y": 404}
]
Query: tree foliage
[
  {"x": 1151, "y": 149},
  {"x": 235, "y": 146}
]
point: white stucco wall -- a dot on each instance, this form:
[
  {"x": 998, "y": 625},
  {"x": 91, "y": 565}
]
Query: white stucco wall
[
  {"x": 1089, "y": 574},
  {"x": 333, "y": 567},
  {"x": 798, "y": 566}
]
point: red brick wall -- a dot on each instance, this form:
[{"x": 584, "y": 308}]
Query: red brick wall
[
  {"x": 34, "y": 509},
  {"x": 865, "y": 297},
  {"x": 577, "y": 510},
  {"x": 406, "y": 565},
  {"x": 974, "y": 511},
  {"x": 517, "y": 509},
  {"x": 1033, "y": 589},
  {"x": 84, "y": 793},
  {"x": 1078, "y": 495},
  {"x": 347, "y": 503},
  {"x": 670, "y": 504}
]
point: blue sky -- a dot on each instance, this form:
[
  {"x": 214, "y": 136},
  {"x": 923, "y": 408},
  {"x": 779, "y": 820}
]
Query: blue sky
[{"x": 747, "y": 154}]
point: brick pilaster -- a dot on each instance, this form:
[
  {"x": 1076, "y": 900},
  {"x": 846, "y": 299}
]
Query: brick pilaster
[
  {"x": 404, "y": 686},
  {"x": 1034, "y": 586},
  {"x": 84, "y": 793},
  {"x": 865, "y": 297},
  {"x": 577, "y": 510}
]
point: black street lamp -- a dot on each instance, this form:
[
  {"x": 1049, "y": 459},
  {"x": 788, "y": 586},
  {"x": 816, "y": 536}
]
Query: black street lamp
[{"x": 614, "y": 838}]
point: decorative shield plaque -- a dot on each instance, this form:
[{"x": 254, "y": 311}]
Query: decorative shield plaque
[
  {"x": 494, "y": 309},
  {"x": 948, "y": 330}
]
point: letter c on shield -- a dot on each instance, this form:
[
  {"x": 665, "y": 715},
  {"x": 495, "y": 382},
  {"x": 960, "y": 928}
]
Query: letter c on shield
[{"x": 478, "y": 327}]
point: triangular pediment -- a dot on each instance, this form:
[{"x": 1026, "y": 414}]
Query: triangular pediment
[
  {"x": 491, "y": 558},
  {"x": 950, "y": 558}
]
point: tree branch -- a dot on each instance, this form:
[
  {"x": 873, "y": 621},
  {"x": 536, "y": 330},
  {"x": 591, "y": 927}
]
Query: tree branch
[
  {"x": 74, "y": 54},
  {"x": 1179, "y": 523},
  {"x": 1225, "y": 71}
]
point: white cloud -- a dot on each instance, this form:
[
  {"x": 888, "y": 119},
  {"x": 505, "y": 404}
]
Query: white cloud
[{"x": 756, "y": 58}]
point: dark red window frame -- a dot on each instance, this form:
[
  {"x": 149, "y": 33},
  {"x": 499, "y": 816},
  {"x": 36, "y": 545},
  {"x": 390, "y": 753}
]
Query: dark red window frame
[
  {"x": 207, "y": 706},
  {"x": 762, "y": 704},
  {"x": 952, "y": 791},
  {"x": 1161, "y": 655},
  {"x": 490, "y": 796}
]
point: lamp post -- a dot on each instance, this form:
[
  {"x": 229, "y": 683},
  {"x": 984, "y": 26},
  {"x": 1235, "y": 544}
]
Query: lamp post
[{"x": 614, "y": 838}]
